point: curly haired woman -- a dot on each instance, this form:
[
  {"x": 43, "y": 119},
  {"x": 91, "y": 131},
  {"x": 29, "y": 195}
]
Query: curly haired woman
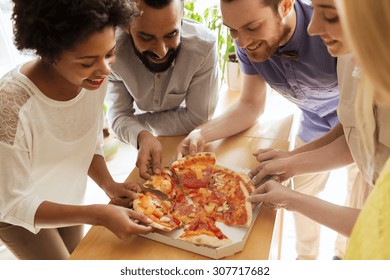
[{"x": 51, "y": 113}]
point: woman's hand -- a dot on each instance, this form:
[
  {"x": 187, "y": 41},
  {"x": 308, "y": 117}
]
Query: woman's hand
[
  {"x": 122, "y": 221},
  {"x": 123, "y": 194},
  {"x": 272, "y": 163},
  {"x": 273, "y": 194}
]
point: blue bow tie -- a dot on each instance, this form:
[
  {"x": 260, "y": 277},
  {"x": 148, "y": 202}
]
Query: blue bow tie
[{"x": 288, "y": 54}]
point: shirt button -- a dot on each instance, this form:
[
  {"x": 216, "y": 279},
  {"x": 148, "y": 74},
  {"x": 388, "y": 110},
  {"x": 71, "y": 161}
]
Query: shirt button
[
  {"x": 158, "y": 76},
  {"x": 156, "y": 101},
  {"x": 287, "y": 65},
  {"x": 295, "y": 87}
]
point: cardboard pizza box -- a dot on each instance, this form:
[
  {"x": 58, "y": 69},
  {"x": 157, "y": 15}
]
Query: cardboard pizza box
[{"x": 238, "y": 235}]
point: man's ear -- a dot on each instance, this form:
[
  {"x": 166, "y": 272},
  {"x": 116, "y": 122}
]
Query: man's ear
[{"x": 285, "y": 7}]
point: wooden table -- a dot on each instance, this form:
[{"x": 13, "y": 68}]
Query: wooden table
[
  {"x": 272, "y": 130},
  {"x": 100, "y": 243}
]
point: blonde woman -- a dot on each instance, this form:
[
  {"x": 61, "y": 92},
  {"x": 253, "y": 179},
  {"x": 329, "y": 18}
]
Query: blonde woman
[
  {"x": 369, "y": 151},
  {"x": 366, "y": 25}
]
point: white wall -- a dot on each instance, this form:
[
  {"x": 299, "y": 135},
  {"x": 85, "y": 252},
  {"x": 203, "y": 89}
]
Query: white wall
[{"x": 9, "y": 55}]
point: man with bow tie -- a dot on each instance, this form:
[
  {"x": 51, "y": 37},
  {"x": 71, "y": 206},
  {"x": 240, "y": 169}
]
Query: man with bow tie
[{"x": 275, "y": 49}]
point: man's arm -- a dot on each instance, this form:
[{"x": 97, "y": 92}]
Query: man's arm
[{"x": 239, "y": 116}]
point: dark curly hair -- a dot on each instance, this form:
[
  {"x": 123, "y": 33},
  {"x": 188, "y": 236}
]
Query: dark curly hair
[
  {"x": 50, "y": 27},
  {"x": 159, "y": 4}
]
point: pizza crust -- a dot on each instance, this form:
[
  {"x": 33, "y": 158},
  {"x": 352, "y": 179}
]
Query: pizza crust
[
  {"x": 161, "y": 226},
  {"x": 248, "y": 208},
  {"x": 199, "y": 158},
  {"x": 207, "y": 240},
  {"x": 158, "y": 225}
]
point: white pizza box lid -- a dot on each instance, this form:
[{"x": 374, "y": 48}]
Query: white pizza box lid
[{"x": 238, "y": 235}]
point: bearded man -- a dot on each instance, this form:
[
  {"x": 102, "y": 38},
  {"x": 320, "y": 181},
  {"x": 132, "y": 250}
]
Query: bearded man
[
  {"x": 165, "y": 80},
  {"x": 274, "y": 48}
]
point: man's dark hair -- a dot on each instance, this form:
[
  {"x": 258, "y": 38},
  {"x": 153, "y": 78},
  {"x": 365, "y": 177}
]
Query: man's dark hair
[
  {"x": 51, "y": 27},
  {"x": 159, "y": 4},
  {"x": 274, "y": 4}
]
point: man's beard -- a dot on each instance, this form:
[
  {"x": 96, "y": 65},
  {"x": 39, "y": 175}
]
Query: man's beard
[
  {"x": 268, "y": 49},
  {"x": 156, "y": 67}
]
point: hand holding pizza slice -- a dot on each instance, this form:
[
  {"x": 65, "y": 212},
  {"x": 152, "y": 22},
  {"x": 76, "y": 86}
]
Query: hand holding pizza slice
[{"x": 199, "y": 193}]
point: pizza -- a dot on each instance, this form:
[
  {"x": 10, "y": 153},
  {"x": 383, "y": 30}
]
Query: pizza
[
  {"x": 194, "y": 172},
  {"x": 193, "y": 194},
  {"x": 156, "y": 209},
  {"x": 165, "y": 183},
  {"x": 203, "y": 231}
]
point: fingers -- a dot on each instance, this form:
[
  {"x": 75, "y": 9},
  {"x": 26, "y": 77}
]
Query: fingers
[
  {"x": 255, "y": 171},
  {"x": 132, "y": 190},
  {"x": 140, "y": 217},
  {"x": 121, "y": 201},
  {"x": 255, "y": 199},
  {"x": 182, "y": 148},
  {"x": 149, "y": 155},
  {"x": 260, "y": 190},
  {"x": 196, "y": 146},
  {"x": 141, "y": 229},
  {"x": 156, "y": 161},
  {"x": 267, "y": 154},
  {"x": 143, "y": 166},
  {"x": 134, "y": 187},
  {"x": 125, "y": 193},
  {"x": 258, "y": 174},
  {"x": 193, "y": 148},
  {"x": 144, "y": 172},
  {"x": 258, "y": 195},
  {"x": 260, "y": 151},
  {"x": 190, "y": 146}
]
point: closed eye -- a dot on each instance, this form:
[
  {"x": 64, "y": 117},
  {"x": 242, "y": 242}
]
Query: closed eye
[
  {"x": 332, "y": 20},
  {"x": 87, "y": 65},
  {"x": 172, "y": 35},
  {"x": 253, "y": 28},
  {"x": 145, "y": 38}
]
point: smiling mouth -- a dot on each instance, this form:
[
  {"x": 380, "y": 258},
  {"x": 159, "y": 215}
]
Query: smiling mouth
[
  {"x": 158, "y": 60},
  {"x": 329, "y": 42},
  {"x": 95, "y": 82},
  {"x": 253, "y": 48}
]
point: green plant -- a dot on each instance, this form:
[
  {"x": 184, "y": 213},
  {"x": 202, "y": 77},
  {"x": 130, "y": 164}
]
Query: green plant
[{"x": 211, "y": 17}]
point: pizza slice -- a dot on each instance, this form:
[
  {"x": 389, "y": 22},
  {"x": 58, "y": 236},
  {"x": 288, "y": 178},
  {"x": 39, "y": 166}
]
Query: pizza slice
[
  {"x": 203, "y": 231},
  {"x": 194, "y": 172},
  {"x": 183, "y": 210},
  {"x": 156, "y": 209},
  {"x": 229, "y": 198},
  {"x": 165, "y": 183}
]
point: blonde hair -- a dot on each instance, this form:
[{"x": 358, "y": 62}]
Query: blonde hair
[{"x": 366, "y": 25}]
